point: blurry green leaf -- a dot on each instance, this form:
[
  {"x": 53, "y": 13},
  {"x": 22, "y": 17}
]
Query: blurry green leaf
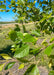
[
  {"x": 44, "y": 42},
  {"x": 1, "y": 66},
  {"x": 12, "y": 2},
  {"x": 21, "y": 66},
  {"x": 1, "y": 1},
  {"x": 24, "y": 34},
  {"x": 9, "y": 65},
  {"x": 29, "y": 38},
  {"x": 22, "y": 1},
  {"x": 35, "y": 51},
  {"x": 3, "y": 6},
  {"x": 23, "y": 60},
  {"x": 49, "y": 15},
  {"x": 35, "y": 33},
  {"x": 13, "y": 35},
  {"x": 51, "y": 56},
  {"x": 42, "y": 19},
  {"x": 51, "y": 73},
  {"x": 12, "y": 49},
  {"x": 5, "y": 56},
  {"x": 51, "y": 40},
  {"x": 13, "y": 46},
  {"x": 32, "y": 70},
  {"x": 50, "y": 63},
  {"x": 47, "y": 31},
  {"x": 20, "y": 35},
  {"x": 49, "y": 49},
  {"x": 17, "y": 28},
  {"x": 34, "y": 2}
]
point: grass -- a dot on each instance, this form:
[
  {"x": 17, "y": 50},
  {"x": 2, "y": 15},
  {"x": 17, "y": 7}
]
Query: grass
[
  {"x": 3, "y": 41},
  {"x": 6, "y": 22}
]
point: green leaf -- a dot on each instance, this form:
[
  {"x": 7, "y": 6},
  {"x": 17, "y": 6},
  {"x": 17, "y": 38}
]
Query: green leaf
[
  {"x": 23, "y": 60},
  {"x": 21, "y": 66},
  {"x": 12, "y": 2},
  {"x": 49, "y": 49},
  {"x": 51, "y": 40},
  {"x": 32, "y": 70},
  {"x": 21, "y": 1},
  {"x": 51, "y": 73},
  {"x": 17, "y": 28},
  {"x": 29, "y": 38},
  {"x": 9, "y": 65},
  {"x": 24, "y": 34},
  {"x": 1, "y": 1},
  {"x": 42, "y": 19},
  {"x": 35, "y": 33},
  {"x": 3, "y": 6},
  {"x": 5, "y": 56},
  {"x": 34, "y": 2},
  {"x": 47, "y": 31},
  {"x": 20, "y": 35},
  {"x": 35, "y": 51},
  {"x": 1, "y": 66},
  {"x": 51, "y": 56},
  {"x": 44, "y": 42},
  {"x": 13, "y": 35},
  {"x": 21, "y": 52}
]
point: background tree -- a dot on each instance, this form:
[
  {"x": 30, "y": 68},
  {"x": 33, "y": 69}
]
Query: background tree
[{"x": 26, "y": 12}]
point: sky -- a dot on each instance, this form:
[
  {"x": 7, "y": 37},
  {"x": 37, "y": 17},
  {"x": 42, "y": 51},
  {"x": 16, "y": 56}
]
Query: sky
[{"x": 8, "y": 16}]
